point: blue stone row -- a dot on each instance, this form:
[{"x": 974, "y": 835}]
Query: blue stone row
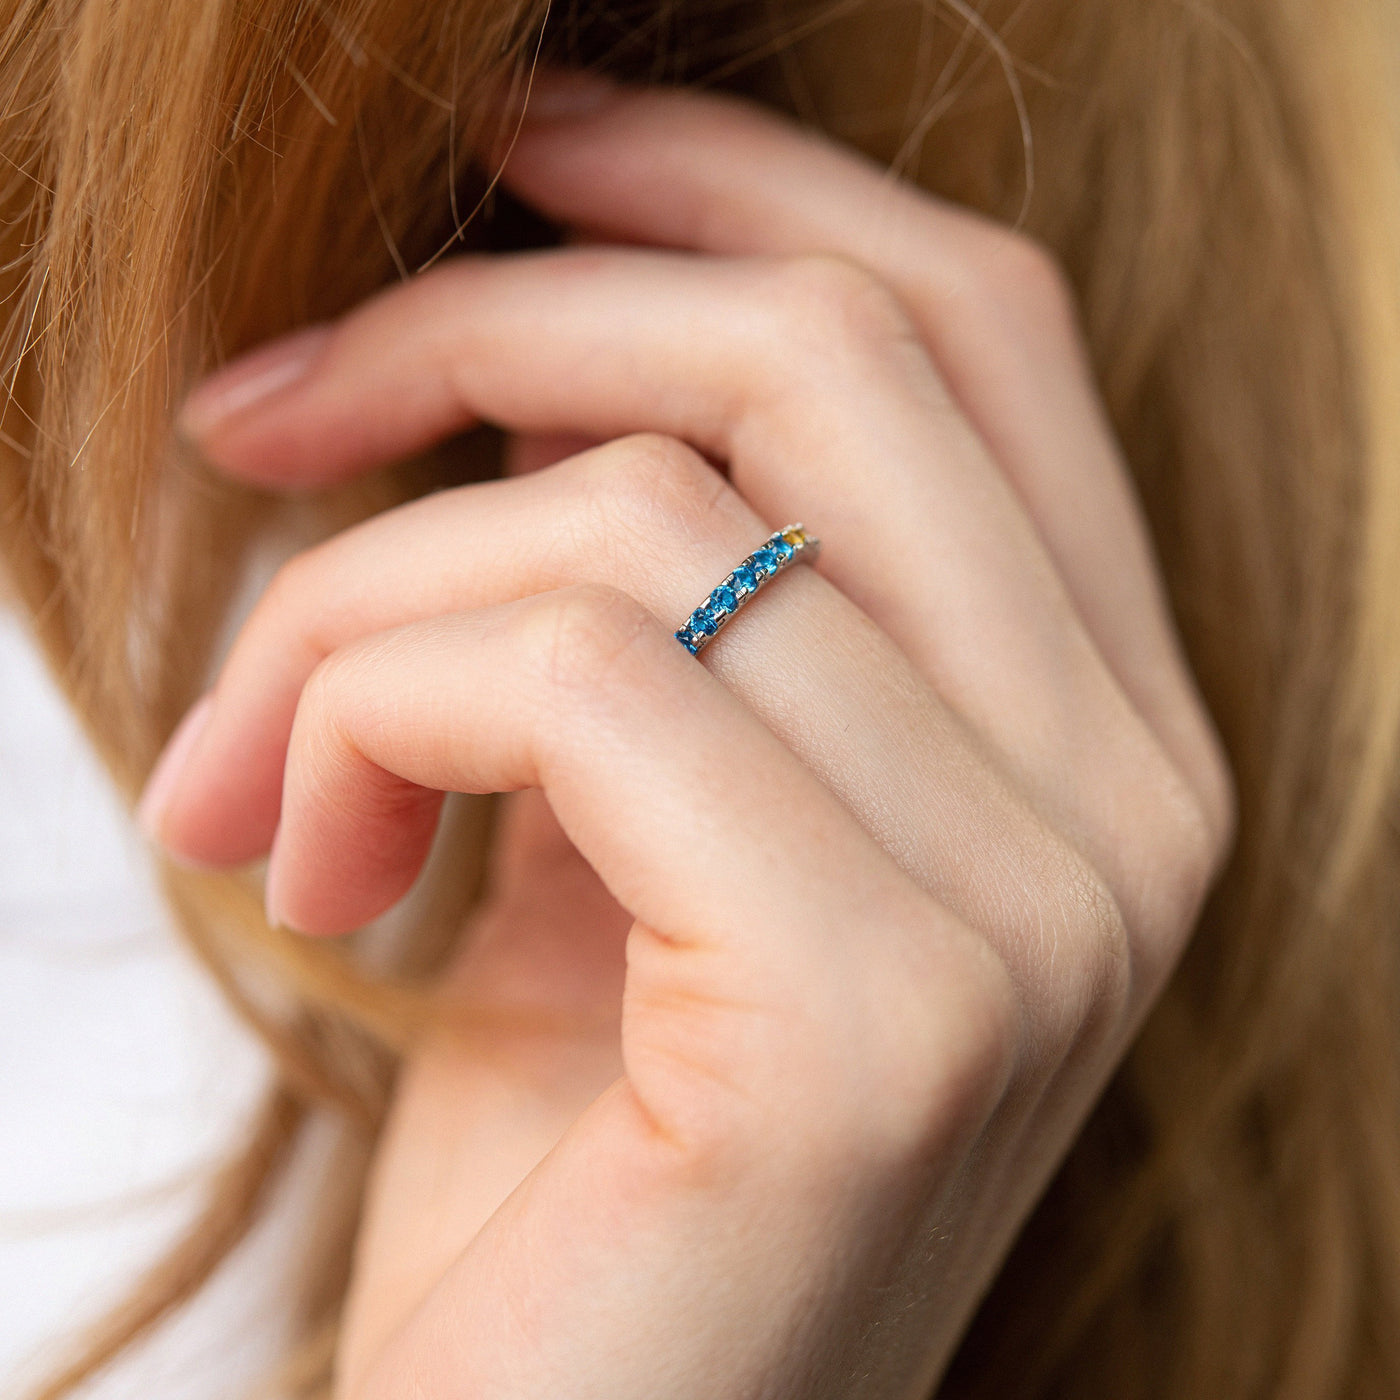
[{"x": 736, "y": 589}]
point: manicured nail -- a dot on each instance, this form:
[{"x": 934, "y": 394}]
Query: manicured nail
[
  {"x": 165, "y": 776},
  {"x": 249, "y": 380},
  {"x": 559, "y": 93}
]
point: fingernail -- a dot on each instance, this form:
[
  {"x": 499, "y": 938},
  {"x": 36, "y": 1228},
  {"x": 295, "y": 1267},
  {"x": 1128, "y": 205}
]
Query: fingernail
[
  {"x": 272, "y": 902},
  {"x": 559, "y": 93},
  {"x": 249, "y": 380},
  {"x": 165, "y": 776}
]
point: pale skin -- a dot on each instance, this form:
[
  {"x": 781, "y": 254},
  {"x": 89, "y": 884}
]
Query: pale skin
[{"x": 804, "y": 960}]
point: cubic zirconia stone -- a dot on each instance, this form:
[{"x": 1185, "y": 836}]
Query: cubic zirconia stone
[
  {"x": 794, "y": 536},
  {"x": 688, "y": 640},
  {"x": 781, "y": 548},
  {"x": 723, "y": 597},
  {"x": 744, "y": 579},
  {"x": 702, "y": 622},
  {"x": 764, "y": 562}
]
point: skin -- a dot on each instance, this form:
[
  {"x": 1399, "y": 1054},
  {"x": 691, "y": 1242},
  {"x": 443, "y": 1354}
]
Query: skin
[{"x": 804, "y": 960}]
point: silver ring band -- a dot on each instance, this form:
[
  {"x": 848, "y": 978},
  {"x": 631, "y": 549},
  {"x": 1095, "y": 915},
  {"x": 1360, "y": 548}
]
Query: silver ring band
[{"x": 790, "y": 545}]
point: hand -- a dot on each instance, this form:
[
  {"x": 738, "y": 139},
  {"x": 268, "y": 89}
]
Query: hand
[{"x": 804, "y": 964}]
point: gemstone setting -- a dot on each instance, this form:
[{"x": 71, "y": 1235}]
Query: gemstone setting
[{"x": 781, "y": 549}]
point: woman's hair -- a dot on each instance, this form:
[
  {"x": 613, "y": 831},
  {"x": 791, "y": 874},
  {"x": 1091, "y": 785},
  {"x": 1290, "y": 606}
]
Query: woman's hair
[{"x": 180, "y": 179}]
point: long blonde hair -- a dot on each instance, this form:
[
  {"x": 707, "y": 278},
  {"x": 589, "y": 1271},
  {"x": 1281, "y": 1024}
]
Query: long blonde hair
[{"x": 180, "y": 179}]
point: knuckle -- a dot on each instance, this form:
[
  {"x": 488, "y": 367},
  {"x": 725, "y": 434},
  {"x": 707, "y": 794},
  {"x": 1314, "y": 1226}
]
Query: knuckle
[
  {"x": 650, "y": 482},
  {"x": 582, "y": 633},
  {"x": 909, "y": 1054},
  {"x": 329, "y": 690},
  {"x": 321, "y": 688},
  {"x": 316, "y": 750},
  {"x": 1185, "y": 846},
  {"x": 948, "y": 1040},
  {"x": 293, "y": 581},
  {"x": 1027, "y": 265},
  {"x": 1217, "y": 806},
  {"x": 832, "y": 305},
  {"x": 870, "y": 1063},
  {"x": 1017, "y": 268},
  {"x": 1096, "y": 914},
  {"x": 1086, "y": 963},
  {"x": 291, "y": 612}
]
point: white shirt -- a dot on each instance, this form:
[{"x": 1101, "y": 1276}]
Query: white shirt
[{"x": 123, "y": 1077}]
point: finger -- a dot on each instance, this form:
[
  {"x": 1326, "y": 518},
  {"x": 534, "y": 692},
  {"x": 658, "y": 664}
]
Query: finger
[
  {"x": 718, "y": 175},
  {"x": 578, "y": 692},
  {"x": 649, "y": 516},
  {"x": 804, "y": 377},
  {"x": 767, "y": 924},
  {"x": 645, "y": 514},
  {"x": 755, "y": 993}
]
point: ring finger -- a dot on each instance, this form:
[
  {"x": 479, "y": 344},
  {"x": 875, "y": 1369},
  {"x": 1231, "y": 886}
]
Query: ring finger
[
  {"x": 804, "y": 376},
  {"x": 648, "y": 516}
]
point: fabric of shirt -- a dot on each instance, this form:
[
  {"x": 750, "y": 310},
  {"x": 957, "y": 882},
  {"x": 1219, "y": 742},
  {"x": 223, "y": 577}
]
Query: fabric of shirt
[{"x": 124, "y": 1079}]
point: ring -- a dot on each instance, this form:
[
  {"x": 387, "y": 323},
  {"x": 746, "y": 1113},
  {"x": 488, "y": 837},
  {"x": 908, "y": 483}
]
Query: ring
[{"x": 790, "y": 545}]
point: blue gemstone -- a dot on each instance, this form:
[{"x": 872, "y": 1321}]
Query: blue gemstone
[
  {"x": 764, "y": 562},
  {"x": 723, "y": 597},
  {"x": 781, "y": 547},
  {"x": 688, "y": 640},
  {"x": 744, "y": 580},
  {"x": 703, "y": 622}
]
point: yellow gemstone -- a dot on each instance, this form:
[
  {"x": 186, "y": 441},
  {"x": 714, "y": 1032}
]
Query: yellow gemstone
[{"x": 794, "y": 537}]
